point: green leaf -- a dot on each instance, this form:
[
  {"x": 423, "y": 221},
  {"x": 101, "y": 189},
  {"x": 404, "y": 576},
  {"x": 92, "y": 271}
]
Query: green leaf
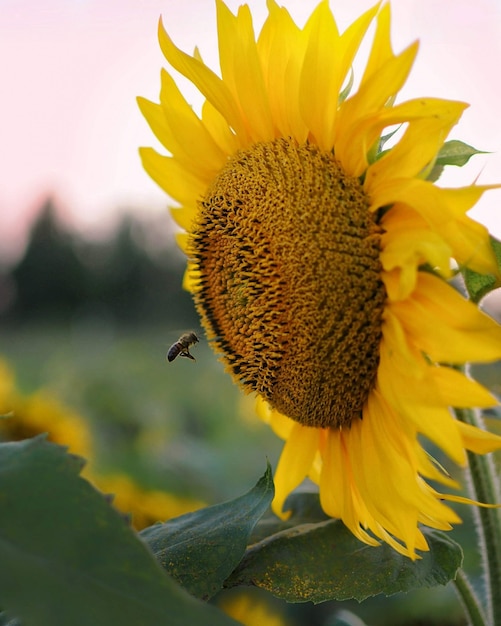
[
  {"x": 69, "y": 558},
  {"x": 201, "y": 549},
  {"x": 325, "y": 561},
  {"x": 479, "y": 285},
  {"x": 453, "y": 152},
  {"x": 435, "y": 173},
  {"x": 456, "y": 152},
  {"x": 305, "y": 508}
]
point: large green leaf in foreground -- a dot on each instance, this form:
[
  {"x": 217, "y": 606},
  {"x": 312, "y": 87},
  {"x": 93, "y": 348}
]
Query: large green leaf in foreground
[
  {"x": 301, "y": 560},
  {"x": 68, "y": 558},
  {"x": 201, "y": 549}
]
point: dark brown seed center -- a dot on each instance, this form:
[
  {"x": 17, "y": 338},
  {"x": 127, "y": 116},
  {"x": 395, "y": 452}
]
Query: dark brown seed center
[{"x": 290, "y": 285}]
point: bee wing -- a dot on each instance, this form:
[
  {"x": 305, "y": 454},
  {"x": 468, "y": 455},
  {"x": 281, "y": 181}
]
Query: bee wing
[{"x": 173, "y": 352}]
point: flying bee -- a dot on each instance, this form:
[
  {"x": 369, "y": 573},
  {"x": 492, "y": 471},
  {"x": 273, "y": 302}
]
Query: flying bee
[{"x": 182, "y": 347}]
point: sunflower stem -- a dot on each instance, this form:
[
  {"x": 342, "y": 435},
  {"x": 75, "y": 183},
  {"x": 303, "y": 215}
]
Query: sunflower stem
[
  {"x": 484, "y": 487},
  {"x": 470, "y": 601}
]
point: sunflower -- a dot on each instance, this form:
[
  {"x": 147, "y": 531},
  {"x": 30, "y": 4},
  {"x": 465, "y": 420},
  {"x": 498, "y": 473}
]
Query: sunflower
[
  {"x": 29, "y": 415},
  {"x": 251, "y": 610},
  {"x": 145, "y": 506},
  {"x": 320, "y": 263}
]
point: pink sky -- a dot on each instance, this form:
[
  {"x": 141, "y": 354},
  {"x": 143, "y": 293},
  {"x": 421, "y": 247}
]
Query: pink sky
[{"x": 71, "y": 69}]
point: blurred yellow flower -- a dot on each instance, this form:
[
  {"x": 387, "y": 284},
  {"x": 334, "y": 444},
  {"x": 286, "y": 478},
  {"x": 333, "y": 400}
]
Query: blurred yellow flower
[
  {"x": 250, "y": 611},
  {"x": 40, "y": 412},
  {"x": 7, "y": 388},
  {"x": 145, "y": 506}
]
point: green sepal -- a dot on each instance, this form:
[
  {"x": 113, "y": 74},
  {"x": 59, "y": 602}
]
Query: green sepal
[
  {"x": 305, "y": 561},
  {"x": 377, "y": 149},
  {"x": 68, "y": 557},
  {"x": 201, "y": 549},
  {"x": 479, "y": 285},
  {"x": 385, "y": 138},
  {"x": 453, "y": 152},
  {"x": 346, "y": 91}
]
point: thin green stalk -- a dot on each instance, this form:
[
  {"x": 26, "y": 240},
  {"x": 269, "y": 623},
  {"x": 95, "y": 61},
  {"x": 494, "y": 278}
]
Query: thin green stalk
[
  {"x": 469, "y": 599},
  {"x": 484, "y": 487}
]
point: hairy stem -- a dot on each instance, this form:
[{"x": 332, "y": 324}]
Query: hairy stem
[
  {"x": 484, "y": 487},
  {"x": 469, "y": 599}
]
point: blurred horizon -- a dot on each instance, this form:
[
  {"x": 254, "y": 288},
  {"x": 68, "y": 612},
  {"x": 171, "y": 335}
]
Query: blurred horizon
[{"x": 132, "y": 274}]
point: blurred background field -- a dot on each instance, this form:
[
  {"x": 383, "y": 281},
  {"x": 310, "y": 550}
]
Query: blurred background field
[
  {"x": 92, "y": 321},
  {"x": 85, "y": 326}
]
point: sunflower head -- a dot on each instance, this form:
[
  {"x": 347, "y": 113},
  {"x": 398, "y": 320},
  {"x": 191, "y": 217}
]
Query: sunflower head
[
  {"x": 319, "y": 261},
  {"x": 278, "y": 218}
]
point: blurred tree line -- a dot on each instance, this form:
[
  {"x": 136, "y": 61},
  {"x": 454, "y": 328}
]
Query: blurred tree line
[{"x": 124, "y": 278}]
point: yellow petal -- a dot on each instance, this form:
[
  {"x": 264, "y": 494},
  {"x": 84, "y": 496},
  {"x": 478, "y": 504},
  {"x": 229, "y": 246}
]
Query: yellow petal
[
  {"x": 192, "y": 142},
  {"x": 327, "y": 60},
  {"x": 445, "y": 211},
  {"x": 463, "y": 500},
  {"x": 477, "y": 440},
  {"x": 210, "y": 85},
  {"x": 167, "y": 172},
  {"x": 407, "y": 243},
  {"x": 399, "y": 282},
  {"x": 280, "y": 424},
  {"x": 381, "y": 51},
  {"x": 384, "y": 468},
  {"x": 416, "y": 410},
  {"x": 191, "y": 278},
  {"x": 241, "y": 70},
  {"x": 218, "y": 128},
  {"x": 407, "y": 251},
  {"x": 353, "y": 35},
  {"x": 456, "y": 389},
  {"x": 294, "y": 464},
  {"x": 446, "y": 326},
  {"x": 429, "y": 467},
  {"x": 334, "y": 478},
  {"x": 184, "y": 216},
  {"x": 338, "y": 492},
  {"x": 182, "y": 240},
  {"x": 395, "y": 346},
  {"x": 439, "y": 386},
  {"x": 321, "y": 75},
  {"x": 182, "y": 132},
  {"x": 281, "y": 49},
  {"x": 416, "y": 149},
  {"x": 353, "y": 138},
  {"x": 154, "y": 115}
]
